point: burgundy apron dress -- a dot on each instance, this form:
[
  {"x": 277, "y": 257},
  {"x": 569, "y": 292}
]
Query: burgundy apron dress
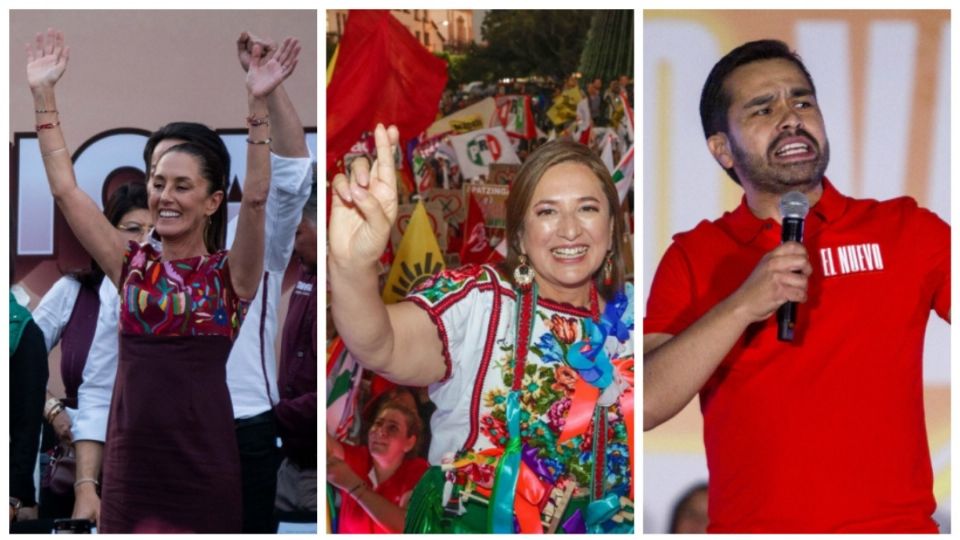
[{"x": 171, "y": 462}]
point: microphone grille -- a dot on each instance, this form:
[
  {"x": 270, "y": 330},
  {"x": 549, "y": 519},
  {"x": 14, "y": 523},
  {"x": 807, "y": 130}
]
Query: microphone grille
[{"x": 794, "y": 204}]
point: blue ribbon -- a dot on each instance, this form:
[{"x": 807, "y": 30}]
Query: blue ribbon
[
  {"x": 599, "y": 512},
  {"x": 508, "y": 471},
  {"x": 588, "y": 357}
]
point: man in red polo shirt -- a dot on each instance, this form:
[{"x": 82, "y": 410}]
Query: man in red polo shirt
[{"x": 824, "y": 433}]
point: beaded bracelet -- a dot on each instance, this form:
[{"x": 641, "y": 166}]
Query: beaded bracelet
[
  {"x": 253, "y": 121},
  {"x": 268, "y": 140},
  {"x": 41, "y": 111},
  {"x": 49, "y": 125}
]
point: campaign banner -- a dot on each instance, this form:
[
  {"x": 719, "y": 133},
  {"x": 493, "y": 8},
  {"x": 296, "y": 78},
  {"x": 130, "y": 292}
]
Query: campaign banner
[
  {"x": 477, "y": 150},
  {"x": 480, "y": 115}
]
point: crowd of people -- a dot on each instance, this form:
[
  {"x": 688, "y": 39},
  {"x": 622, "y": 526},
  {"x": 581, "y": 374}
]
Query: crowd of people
[
  {"x": 515, "y": 378},
  {"x": 604, "y": 98},
  {"x": 174, "y": 396}
]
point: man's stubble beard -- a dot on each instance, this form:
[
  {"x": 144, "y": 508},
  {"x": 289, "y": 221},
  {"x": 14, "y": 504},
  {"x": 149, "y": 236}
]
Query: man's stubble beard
[{"x": 780, "y": 179}]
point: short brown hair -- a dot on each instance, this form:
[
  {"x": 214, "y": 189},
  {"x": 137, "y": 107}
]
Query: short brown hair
[
  {"x": 521, "y": 194},
  {"x": 414, "y": 424}
]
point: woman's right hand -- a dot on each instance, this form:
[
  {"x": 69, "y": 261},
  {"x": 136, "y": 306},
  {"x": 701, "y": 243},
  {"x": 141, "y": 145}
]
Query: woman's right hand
[
  {"x": 46, "y": 59},
  {"x": 364, "y": 207},
  {"x": 61, "y": 426}
]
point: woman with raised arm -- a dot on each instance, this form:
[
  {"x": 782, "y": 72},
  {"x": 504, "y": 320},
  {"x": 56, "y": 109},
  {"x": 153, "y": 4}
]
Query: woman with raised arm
[
  {"x": 530, "y": 366},
  {"x": 170, "y": 461}
]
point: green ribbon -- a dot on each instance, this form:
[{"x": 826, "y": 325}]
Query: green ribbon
[{"x": 508, "y": 471}]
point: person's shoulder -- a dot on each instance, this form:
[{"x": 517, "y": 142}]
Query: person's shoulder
[
  {"x": 901, "y": 210},
  {"x": 459, "y": 280}
]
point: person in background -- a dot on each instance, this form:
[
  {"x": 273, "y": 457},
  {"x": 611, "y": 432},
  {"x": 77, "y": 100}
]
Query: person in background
[
  {"x": 71, "y": 314},
  {"x": 690, "y": 513},
  {"x": 376, "y": 481},
  {"x": 296, "y": 412},
  {"x": 28, "y": 379}
]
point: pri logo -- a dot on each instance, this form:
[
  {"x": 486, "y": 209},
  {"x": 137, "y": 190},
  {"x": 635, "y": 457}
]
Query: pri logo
[
  {"x": 477, "y": 241},
  {"x": 483, "y": 150}
]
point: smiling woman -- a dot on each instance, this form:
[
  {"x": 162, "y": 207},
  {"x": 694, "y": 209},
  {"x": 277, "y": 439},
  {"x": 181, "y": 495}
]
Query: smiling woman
[
  {"x": 182, "y": 303},
  {"x": 530, "y": 364}
]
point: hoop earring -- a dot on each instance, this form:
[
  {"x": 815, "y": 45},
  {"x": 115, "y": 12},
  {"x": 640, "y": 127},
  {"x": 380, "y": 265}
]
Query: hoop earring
[
  {"x": 523, "y": 273},
  {"x": 608, "y": 270}
]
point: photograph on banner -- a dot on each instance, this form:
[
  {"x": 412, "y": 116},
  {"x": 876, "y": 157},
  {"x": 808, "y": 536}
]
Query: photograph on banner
[
  {"x": 163, "y": 249},
  {"x": 797, "y": 163},
  {"x": 480, "y": 270}
]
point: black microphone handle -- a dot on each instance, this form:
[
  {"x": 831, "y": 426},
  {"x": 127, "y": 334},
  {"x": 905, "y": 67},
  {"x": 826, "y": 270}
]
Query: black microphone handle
[{"x": 787, "y": 313}]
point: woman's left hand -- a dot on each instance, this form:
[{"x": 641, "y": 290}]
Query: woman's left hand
[
  {"x": 61, "y": 426},
  {"x": 340, "y": 474},
  {"x": 269, "y": 69}
]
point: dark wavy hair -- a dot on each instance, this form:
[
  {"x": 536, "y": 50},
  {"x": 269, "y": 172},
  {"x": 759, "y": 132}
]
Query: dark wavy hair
[
  {"x": 714, "y": 98},
  {"x": 521, "y": 195},
  {"x": 217, "y": 157}
]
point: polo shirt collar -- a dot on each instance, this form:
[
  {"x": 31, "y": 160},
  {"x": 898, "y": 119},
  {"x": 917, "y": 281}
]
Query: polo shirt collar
[{"x": 745, "y": 226}]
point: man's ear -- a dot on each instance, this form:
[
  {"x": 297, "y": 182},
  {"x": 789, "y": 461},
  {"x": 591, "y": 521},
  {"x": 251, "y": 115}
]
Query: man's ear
[{"x": 719, "y": 146}]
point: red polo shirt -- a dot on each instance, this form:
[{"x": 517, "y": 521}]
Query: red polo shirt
[{"x": 824, "y": 434}]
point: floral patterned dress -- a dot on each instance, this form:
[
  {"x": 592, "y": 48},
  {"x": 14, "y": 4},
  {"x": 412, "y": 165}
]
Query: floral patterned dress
[
  {"x": 171, "y": 462},
  {"x": 474, "y": 309}
]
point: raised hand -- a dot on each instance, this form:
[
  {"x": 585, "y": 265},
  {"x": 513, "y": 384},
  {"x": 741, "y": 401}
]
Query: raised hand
[
  {"x": 364, "y": 207},
  {"x": 46, "y": 59},
  {"x": 245, "y": 45},
  {"x": 267, "y": 71}
]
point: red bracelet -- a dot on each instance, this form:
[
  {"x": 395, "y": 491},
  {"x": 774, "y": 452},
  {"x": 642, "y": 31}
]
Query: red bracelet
[{"x": 49, "y": 125}]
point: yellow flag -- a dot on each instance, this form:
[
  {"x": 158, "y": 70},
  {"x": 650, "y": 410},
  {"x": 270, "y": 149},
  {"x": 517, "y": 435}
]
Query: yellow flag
[
  {"x": 417, "y": 258},
  {"x": 564, "y": 107}
]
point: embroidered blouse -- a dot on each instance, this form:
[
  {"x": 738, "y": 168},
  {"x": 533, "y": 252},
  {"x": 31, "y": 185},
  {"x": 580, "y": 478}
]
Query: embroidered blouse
[
  {"x": 184, "y": 297},
  {"x": 473, "y": 308}
]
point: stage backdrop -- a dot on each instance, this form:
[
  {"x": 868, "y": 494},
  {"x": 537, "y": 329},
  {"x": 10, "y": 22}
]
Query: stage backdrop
[
  {"x": 883, "y": 82},
  {"x": 129, "y": 73}
]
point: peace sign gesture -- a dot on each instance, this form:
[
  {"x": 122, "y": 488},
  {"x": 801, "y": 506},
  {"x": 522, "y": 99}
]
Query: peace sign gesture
[
  {"x": 46, "y": 59},
  {"x": 364, "y": 207}
]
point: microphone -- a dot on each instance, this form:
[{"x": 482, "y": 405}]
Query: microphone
[{"x": 793, "y": 209}]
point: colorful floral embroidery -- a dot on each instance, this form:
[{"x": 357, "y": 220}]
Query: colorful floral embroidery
[
  {"x": 184, "y": 297},
  {"x": 546, "y": 397}
]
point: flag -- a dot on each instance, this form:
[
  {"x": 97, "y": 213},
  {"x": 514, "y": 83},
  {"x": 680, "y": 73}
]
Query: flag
[
  {"x": 480, "y": 115},
  {"x": 476, "y": 150},
  {"x": 417, "y": 258},
  {"x": 623, "y": 175},
  {"x": 606, "y": 150},
  {"x": 343, "y": 389},
  {"x": 581, "y": 129},
  {"x": 516, "y": 116},
  {"x": 382, "y": 75},
  {"x": 499, "y": 253},
  {"x": 476, "y": 246},
  {"x": 564, "y": 108}
]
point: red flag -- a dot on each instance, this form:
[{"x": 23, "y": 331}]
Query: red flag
[
  {"x": 476, "y": 246},
  {"x": 382, "y": 75}
]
